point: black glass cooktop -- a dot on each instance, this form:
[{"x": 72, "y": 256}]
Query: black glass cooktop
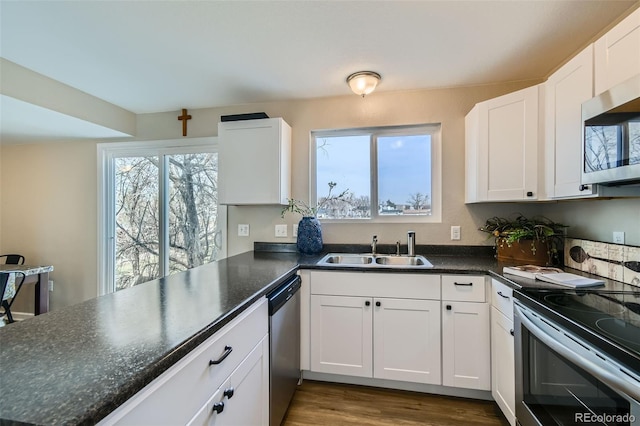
[{"x": 614, "y": 315}]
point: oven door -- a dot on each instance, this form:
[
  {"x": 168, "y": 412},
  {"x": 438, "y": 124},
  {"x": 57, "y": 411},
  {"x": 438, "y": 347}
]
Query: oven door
[{"x": 562, "y": 380}]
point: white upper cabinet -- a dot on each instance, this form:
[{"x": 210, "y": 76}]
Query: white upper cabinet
[
  {"x": 254, "y": 162},
  {"x": 617, "y": 54},
  {"x": 502, "y": 148},
  {"x": 565, "y": 92}
]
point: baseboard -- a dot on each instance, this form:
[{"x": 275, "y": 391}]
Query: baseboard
[
  {"x": 392, "y": 384},
  {"x": 19, "y": 316}
]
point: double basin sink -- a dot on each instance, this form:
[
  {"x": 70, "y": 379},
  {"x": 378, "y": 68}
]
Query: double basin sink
[{"x": 375, "y": 261}]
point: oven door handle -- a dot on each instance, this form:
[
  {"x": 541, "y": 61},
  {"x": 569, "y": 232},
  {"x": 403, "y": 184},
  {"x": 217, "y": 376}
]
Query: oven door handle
[{"x": 602, "y": 373}]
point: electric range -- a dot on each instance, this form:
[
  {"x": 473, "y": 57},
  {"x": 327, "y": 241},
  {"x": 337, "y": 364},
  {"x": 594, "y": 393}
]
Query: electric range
[
  {"x": 608, "y": 319},
  {"x": 577, "y": 355}
]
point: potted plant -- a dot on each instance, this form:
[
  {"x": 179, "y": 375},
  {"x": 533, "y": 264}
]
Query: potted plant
[
  {"x": 309, "y": 240},
  {"x": 535, "y": 240}
]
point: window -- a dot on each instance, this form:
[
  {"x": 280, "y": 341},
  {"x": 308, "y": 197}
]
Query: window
[
  {"x": 385, "y": 174},
  {"x": 159, "y": 210}
]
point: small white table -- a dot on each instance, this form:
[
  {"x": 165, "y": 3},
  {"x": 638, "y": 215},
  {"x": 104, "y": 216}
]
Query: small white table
[{"x": 38, "y": 274}]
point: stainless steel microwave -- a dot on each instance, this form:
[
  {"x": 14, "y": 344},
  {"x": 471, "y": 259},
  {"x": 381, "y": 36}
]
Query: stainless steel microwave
[{"x": 611, "y": 136}]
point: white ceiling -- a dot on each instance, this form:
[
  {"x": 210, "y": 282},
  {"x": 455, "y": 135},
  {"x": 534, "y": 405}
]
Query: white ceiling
[{"x": 153, "y": 56}]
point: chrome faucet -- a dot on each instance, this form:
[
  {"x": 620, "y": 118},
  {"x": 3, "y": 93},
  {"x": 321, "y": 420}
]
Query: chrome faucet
[
  {"x": 411, "y": 243},
  {"x": 374, "y": 245}
]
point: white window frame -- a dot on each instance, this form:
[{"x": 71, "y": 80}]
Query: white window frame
[
  {"x": 107, "y": 152},
  {"x": 435, "y": 130}
]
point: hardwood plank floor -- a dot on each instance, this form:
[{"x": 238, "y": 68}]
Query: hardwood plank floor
[{"x": 320, "y": 403}]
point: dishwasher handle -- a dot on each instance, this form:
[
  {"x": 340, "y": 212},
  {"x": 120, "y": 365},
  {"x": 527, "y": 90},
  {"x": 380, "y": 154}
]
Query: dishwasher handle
[{"x": 282, "y": 294}]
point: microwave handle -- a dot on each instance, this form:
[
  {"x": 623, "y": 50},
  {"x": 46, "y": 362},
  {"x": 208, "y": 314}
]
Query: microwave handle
[{"x": 602, "y": 373}]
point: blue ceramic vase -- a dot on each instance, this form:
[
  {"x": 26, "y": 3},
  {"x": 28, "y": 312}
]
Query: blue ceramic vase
[{"x": 309, "y": 236}]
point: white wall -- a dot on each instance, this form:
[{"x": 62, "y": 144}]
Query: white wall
[
  {"x": 48, "y": 214},
  {"x": 48, "y": 205}
]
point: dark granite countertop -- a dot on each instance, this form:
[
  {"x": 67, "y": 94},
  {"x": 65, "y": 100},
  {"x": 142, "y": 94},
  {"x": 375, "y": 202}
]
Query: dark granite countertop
[{"x": 77, "y": 364}]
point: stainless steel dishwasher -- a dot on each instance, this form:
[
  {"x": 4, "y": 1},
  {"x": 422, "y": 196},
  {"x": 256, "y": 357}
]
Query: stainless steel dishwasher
[{"x": 284, "y": 347}]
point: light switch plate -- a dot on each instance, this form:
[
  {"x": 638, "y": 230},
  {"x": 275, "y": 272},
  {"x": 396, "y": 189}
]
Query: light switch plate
[
  {"x": 281, "y": 231},
  {"x": 243, "y": 230},
  {"x": 618, "y": 237},
  {"x": 295, "y": 229},
  {"x": 455, "y": 232}
]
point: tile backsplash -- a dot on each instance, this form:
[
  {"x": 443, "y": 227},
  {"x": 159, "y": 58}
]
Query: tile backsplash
[{"x": 615, "y": 261}]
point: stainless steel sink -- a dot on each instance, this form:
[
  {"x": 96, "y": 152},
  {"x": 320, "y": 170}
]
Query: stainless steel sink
[
  {"x": 417, "y": 261},
  {"x": 374, "y": 261},
  {"x": 347, "y": 259}
]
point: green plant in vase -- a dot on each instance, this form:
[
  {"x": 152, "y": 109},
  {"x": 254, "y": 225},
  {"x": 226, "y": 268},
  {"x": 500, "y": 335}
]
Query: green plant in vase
[
  {"x": 309, "y": 240},
  {"x": 523, "y": 239}
]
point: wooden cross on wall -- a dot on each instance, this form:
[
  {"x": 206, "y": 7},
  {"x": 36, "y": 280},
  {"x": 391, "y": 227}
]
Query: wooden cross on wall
[{"x": 184, "y": 117}]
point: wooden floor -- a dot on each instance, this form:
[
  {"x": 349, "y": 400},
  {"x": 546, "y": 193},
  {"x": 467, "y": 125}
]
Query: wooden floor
[{"x": 319, "y": 403}]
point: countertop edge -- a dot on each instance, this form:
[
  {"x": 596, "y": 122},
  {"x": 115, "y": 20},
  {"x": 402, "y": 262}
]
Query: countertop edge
[{"x": 171, "y": 358}]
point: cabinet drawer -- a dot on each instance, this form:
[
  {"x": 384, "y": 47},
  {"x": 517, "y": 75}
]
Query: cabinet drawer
[
  {"x": 243, "y": 398},
  {"x": 464, "y": 288},
  {"x": 179, "y": 392},
  {"x": 398, "y": 286},
  {"x": 502, "y": 298}
]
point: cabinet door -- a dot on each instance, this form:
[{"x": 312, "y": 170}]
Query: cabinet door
[
  {"x": 254, "y": 162},
  {"x": 502, "y": 148},
  {"x": 406, "y": 341},
  {"x": 503, "y": 376},
  {"x": 566, "y": 90},
  {"x": 341, "y": 335},
  {"x": 244, "y": 397},
  {"x": 466, "y": 345},
  {"x": 512, "y": 139},
  {"x": 616, "y": 54}
]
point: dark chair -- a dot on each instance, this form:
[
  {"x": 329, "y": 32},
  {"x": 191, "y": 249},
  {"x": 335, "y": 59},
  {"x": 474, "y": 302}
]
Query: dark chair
[
  {"x": 12, "y": 259},
  {"x": 4, "y": 279}
]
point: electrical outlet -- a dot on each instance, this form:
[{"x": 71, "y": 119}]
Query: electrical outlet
[
  {"x": 281, "y": 231},
  {"x": 618, "y": 237},
  {"x": 455, "y": 232},
  {"x": 295, "y": 229},
  {"x": 50, "y": 285},
  {"x": 243, "y": 230}
]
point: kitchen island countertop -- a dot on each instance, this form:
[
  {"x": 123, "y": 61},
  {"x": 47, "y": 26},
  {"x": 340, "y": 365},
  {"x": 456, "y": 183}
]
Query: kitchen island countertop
[{"x": 77, "y": 364}]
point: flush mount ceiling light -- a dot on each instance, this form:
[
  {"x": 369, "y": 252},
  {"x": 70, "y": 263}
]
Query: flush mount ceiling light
[{"x": 363, "y": 82}]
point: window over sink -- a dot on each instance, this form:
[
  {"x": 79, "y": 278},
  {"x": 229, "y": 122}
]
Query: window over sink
[{"x": 381, "y": 174}]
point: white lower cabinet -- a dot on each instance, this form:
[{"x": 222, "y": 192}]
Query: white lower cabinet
[
  {"x": 502, "y": 364},
  {"x": 466, "y": 355},
  {"x": 367, "y": 337},
  {"x": 361, "y": 332},
  {"x": 236, "y": 357},
  {"x": 341, "y": 335},
  {"x": 503, "y": 374},
  {"x": 406, "y": 336},
  {"x": 243, "y": 399}
]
